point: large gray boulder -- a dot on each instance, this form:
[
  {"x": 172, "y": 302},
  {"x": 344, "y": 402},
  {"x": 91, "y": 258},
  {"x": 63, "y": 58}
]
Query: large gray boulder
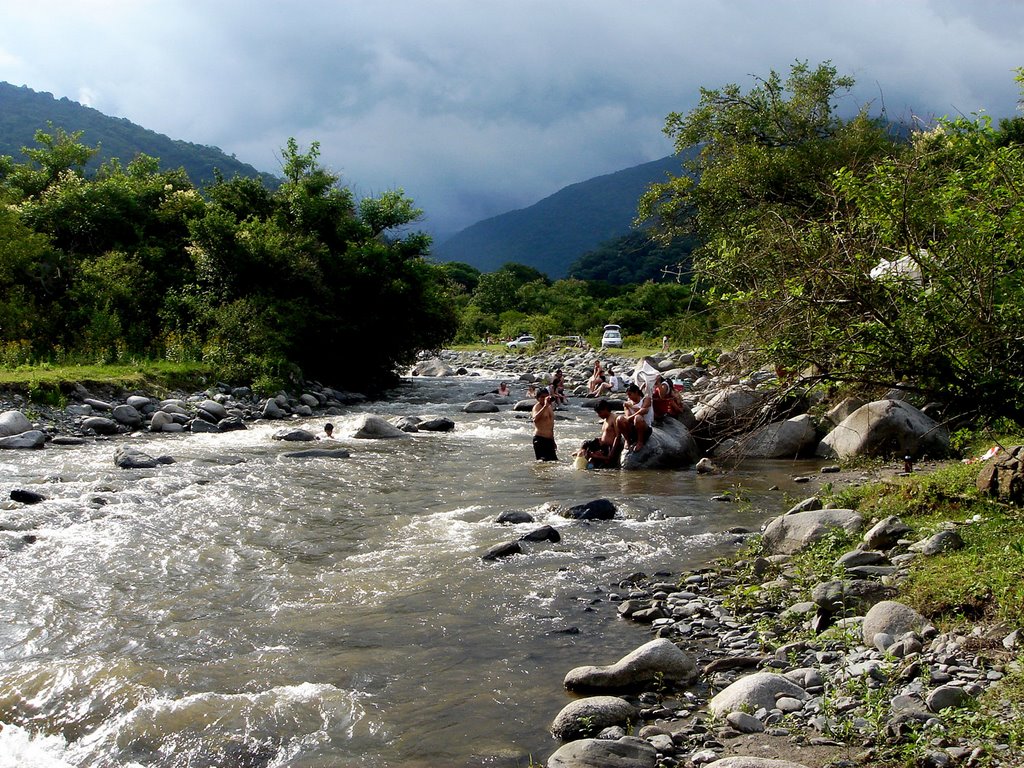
[
  {"x": 659, "y": 660},
  {"x": 780, "y": 440},
  {"x": 129, "y": 457},
  {"x": 101, "y": 425},
  {"x": 127, "y": 415},
  {"x": 295, "y": 435},
  {"x": 432, "y": 367},
  {"x": 883, "y": 428},
  {"x": 886, "y": 533},
  {"x": 849, "y": 595},
  {"x": 727, "y": 405},
  {"x": 159, "y": 420},
  {"x": 480, "y": 406},
  {"x": 587, "y": 717},
  {"x": 371, "y": 427},
  {"x": 626, "y": 752},
  {"x": 214, "y": 408},
  {"x": 789, "y": 534},
  {"x": 436, "y": 424},
  {"x": 892, "y": 618},
  {"x": 13, "y": 423},
  {"x": 670, "y": 445},
  {"x": 271, "y": 410},
  {"x": 750, "y": 693},
  {"x": 33, "y": 438}
]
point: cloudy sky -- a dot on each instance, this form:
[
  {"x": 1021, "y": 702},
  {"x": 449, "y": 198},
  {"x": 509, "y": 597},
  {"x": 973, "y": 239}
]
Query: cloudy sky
[{"x": 476, "y": 107}]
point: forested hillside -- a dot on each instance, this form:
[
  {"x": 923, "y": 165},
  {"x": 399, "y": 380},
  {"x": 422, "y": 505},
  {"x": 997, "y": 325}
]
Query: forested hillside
[
  {"x": 553, "y": 233},
  {"x": 24, "y": 111}
]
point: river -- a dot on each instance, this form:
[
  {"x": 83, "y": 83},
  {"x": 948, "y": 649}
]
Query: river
[{"x": 238, "y": 608}]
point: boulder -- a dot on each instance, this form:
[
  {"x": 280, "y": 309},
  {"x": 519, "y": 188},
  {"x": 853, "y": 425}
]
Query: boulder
[
  {"x": 947, "y": 697},
  {"x": 780, "y": 440},
  {"x": 101, "y": 425},
  {"x": 307, "y": 398},
  {"x": 199, "y": 426},
  {"x": 406, "y": 423},
  {"x": 231, "y": 424},
  {"x": 512, "y": 517},
  {"x": 659, "y": 660},
  {"x": 271, "y": 410},
  {"x": 22, "y": 496},
  {"x": 884, "y": 428},
  {"x": 159, "y": 420},
  {"x": 626, "y": 752},
  {"x": 726, "y": 405},
  {"x": 98, "y": 405},
  {"x": 885, "y": 533},
  {"x": 585, "y": 717},
  {"x": 295, "y": 435},
  {"x": 128, "y": 457},
  {"x": 843, "y": 410},
  {"x": 33, "y": 438},
  {"x": 892, "y": 618},
  {"x": 432, "y": 367},
  {"x": 524, "y": 406},
  {"x": 372, "y": 427},
  {"x": 849, "y": 596},
  {"x": 214, "y": 408},
  {"x": 598, "y": 509},
  {"x": 318, "y": 453},
  {"x": 943, "y": 541},
  {"x": 139, "y": 403},
  {"x": 544, "y": 533},
  {"x": 753, "y": 692},
  {"x": 480, "y": 406},
  {"x": 670, "y": 445},
  {"x": 437, "y": 424},
  {"x": 788, "y": 534},
  {"x": 1003, "y": 476},
  {"x": 13, "y": 423},
  {"x": 743, "y": 761},
  {"x": 500, "y": 551}
]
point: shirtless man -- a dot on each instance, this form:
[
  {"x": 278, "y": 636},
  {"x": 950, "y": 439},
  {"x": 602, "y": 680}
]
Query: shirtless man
[
  {"x": 638, "y": 419},
  {"x": 597, "y": 386},
  {"x": 609, "y": 445},
  {"x": 543, "y": 416}
]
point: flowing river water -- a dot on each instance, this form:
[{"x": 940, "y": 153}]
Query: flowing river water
[{"x": 238, "y": 608}]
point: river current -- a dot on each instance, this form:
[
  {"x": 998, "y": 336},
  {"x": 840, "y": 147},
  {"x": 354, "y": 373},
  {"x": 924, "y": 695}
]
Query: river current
[{"x": 239, "y": 608}]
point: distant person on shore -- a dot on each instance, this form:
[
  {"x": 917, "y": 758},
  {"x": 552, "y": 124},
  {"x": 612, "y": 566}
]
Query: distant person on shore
[
  {"x": 543, "y": 415},
  {"x": 637, "y": 421},
  {"x": 664, "y": 343}
]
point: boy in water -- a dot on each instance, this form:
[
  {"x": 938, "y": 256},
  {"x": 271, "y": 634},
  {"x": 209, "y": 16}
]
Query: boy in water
[
  {"x": 543, "y": 416},
  {"x": 603, "y": 452}
]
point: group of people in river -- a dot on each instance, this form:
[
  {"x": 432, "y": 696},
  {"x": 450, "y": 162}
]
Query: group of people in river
[{"x": 629, "y": 432}]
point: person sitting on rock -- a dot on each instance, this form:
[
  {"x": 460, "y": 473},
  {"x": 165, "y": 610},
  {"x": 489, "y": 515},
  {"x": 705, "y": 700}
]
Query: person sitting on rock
[
  {"x": 604, "y": 451},
  {"x": 597, "y": 386},
  {"x": 664, "y": 398},
  {"x": 637, "y": 421},
  {"x": 558, "y": 388}
]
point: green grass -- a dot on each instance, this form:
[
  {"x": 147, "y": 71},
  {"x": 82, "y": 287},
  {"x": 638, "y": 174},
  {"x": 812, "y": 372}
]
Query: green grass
[{"x": 48, "y": 382}]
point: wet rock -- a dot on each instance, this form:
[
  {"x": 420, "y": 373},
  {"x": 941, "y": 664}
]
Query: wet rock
[
  {"x": 599, "y": 509},
  {"x": 231, "y": 424},
  {"x": 544, "y": 533},
  {"x": 98, "y": 405},
  {"x": 372, "y": 427},
  {"x": 23, "y": 496},
  {"x": 13, "y": 423},
  {"x": 201, "y": 426},
  {"x": 31, "y": 439},
  {"x": 514, "y": 517},
  {"x": 748, "y": 694},
  {"x": 584, "y": 717},
  {"x": 128, "y": 457},
  {"x": 500, "y": 551},
  {"x": 789, "y": 534},
  {"x": 100, "y": 425},
  {"x": 670, "y": 445},
  {"x": 433, "y": 367},
  {"x": 603, "y": 753},
  {"x": 271, "y": 410},
  {"x": 885, "y": 533},
  {"x": 127, "y": 415},
  {"x": 658, "y": 660},
  {"x": 883, "y": 428},
  {"x": 893, "y": 619},
  {"x": 318, "y": 453},
  {"x": 480, "y": 406},
  {"x": 439, "y": 424}
]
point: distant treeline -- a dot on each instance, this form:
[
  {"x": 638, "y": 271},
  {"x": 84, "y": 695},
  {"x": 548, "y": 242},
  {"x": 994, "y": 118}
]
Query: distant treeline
[{"x": 264, "y": 284}]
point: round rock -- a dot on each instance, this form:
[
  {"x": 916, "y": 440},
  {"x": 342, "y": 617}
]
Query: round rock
[
  {"x": 658, "y": 660},
  {"x": 760, "y": 690},
  {"x": 602, "y": 753},
  {"x": 591, "y": 715}
]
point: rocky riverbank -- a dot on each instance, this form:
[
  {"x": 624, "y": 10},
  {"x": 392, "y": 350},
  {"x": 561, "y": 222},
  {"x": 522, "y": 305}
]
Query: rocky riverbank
[{"x": 772, "y": 660}]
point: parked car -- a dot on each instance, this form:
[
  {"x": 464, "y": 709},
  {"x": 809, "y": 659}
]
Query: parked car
[
  {"x": 522, "y": 341},
  {"x": 612, "y": 336}
]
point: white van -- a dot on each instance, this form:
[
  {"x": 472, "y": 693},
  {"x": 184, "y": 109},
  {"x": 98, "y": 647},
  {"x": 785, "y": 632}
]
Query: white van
[{"x": 612, "y": 336}]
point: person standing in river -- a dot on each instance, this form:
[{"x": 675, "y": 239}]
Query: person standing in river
[{"x": 543, "y": 416}]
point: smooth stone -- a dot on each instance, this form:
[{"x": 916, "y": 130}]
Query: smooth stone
[
  {"x": 744, "y": 723},
  {"x": 598, "y": 509},
  {"x": 318, "y": 453},
  {"x": 544, "y": 533},
  {"x": 947, "y": 697},
  {"x": 602, "y": 753},
  {"x": 513, "y": 517},
  {"x": 98, "y": 405},
  {"x": 294, "y": 435},
  {"x": 788, "y": 534},
  {"x": 214, "y": 408},
  {"x": 271, "y": 410},
  {"x": 440, "y": 424},
  {"x": 159, "y": 420},
  {"x": 372, "y": 427},
  {"x": 582, "y": 717},
  {"x": 657, "y": 660},
  {"x": 753, "y": 692},
  {"x": 943, "y": 541},
  {"x": 885, "y": 427},
  {"x": 101, "y": 425},
  {"x": 885, "y": 533},
  {"x": 138, "y": 402},
  {"x": 128, "y": 457},
  {"x": 859, "y": 557},
  {"x": 499, "y": 551},
  {"x": 127, "y": 415},
  {"x": 202, "y": 426},
  {"x": 23, "y": 496},
  {"x": 892, "y": 618},
  {"x": 480, "y": 406},
  {"x": 231, "y": 424},
  {"x": 31, "y": 439}
]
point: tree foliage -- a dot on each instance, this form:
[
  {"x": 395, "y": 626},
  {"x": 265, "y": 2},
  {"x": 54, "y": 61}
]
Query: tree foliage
[
  {"x": 264, "y": 283},
  {"x": 879, "y": 261}
]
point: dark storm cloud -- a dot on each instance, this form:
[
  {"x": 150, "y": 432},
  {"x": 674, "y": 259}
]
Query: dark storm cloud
[{"x": 475, "y": 107}]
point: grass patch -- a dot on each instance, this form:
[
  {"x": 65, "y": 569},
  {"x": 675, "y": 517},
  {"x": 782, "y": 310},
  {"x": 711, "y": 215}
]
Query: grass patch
[{"x": 49, "y": 383}]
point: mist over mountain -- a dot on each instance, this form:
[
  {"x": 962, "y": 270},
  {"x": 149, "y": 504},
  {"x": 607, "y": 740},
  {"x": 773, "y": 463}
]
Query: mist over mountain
[
  {"x": 552, "y": 234},
  {"x": 24, "y": 111}
]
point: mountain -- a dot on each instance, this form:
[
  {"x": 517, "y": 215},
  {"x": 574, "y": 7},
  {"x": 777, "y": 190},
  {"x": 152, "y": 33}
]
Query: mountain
[
  {"x": 24, "y": 111},
  {"x": 552, "y": 234}
]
